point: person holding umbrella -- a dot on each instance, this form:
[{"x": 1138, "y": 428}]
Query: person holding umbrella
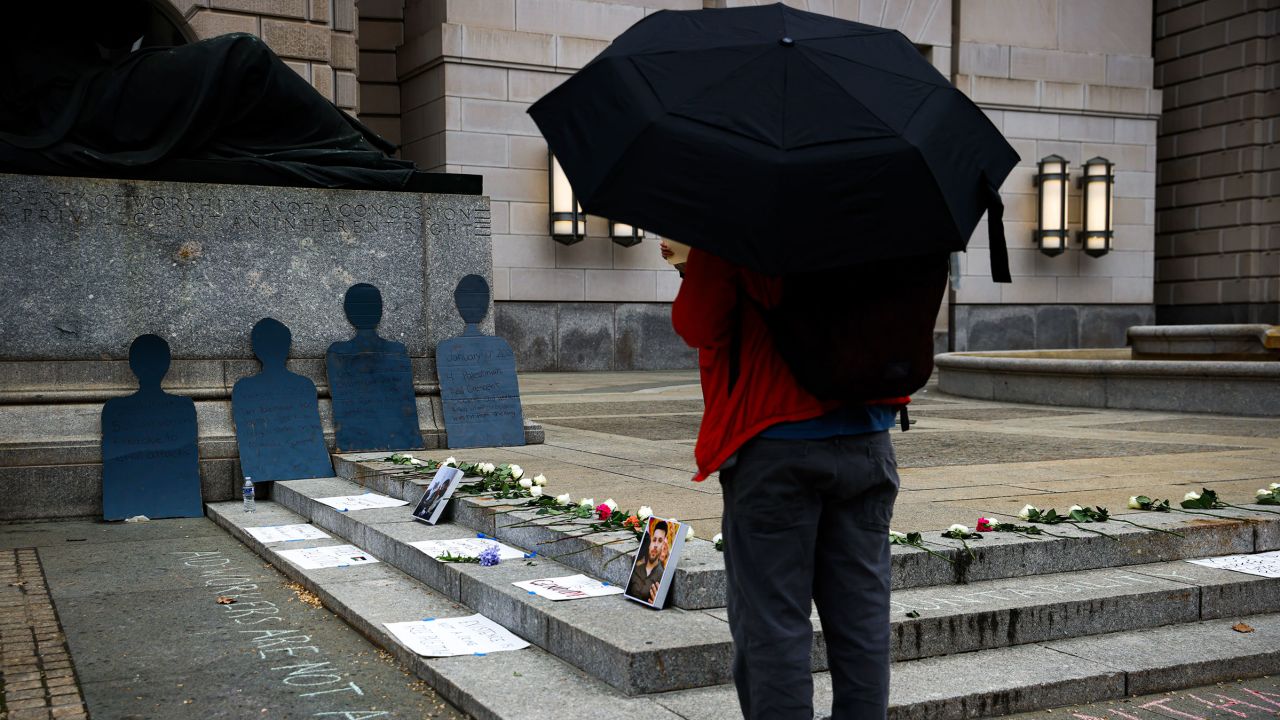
[{"x": 822, "y": 171}]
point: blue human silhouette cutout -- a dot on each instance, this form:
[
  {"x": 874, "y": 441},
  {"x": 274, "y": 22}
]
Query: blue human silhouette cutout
[
  {"x": 371, "y": 381},
  {"x": 277, "y": 414},
  {"x": 150, "y": 460},
  {"x": 478, "y": 378}
]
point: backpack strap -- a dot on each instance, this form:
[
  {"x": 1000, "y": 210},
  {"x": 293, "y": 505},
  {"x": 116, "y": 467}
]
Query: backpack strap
[{"x": 995, "y": 232}]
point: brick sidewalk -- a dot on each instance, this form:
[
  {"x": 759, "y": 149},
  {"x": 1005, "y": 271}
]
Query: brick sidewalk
[{"x": 36, "y": 677}]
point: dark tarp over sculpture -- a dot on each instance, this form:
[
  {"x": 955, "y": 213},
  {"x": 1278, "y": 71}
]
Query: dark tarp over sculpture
[{"x": 77, "y": 101}]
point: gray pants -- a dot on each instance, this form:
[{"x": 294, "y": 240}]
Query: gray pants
[{"x": 806, "y": 521}]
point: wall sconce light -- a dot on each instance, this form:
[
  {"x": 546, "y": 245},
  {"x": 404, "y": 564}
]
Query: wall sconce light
[
  {"x": 1051, "y": 217},
  {"x": 1098, "y": 183},
  {"x": 624, "y": 234},
  {"x": 568, "y": 222}
]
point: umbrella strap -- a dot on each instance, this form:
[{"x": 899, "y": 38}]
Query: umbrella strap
[{"x": 995, "y": 232}]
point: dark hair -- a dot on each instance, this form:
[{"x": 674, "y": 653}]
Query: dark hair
[{"x": 661, "y": 525}]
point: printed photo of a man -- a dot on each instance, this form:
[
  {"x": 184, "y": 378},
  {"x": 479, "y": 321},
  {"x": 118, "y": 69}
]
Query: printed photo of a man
[{"x": 651, "y": 561}]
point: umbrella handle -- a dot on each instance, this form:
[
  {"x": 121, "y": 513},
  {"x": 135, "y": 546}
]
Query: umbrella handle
[{"x": 995, "y": 232}]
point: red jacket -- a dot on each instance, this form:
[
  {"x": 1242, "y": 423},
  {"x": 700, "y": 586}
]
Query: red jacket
[{"x": 766, "y": 393}]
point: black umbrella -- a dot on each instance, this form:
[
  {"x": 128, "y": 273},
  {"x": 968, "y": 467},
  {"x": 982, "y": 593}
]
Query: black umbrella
[{"x": 779, "y": 139}]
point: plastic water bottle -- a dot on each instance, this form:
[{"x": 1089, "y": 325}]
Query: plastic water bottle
[{"x": 248, "y": 495}]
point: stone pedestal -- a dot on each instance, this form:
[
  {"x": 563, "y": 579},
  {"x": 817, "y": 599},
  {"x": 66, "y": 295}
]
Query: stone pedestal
[{"x": 86, "y": 265}]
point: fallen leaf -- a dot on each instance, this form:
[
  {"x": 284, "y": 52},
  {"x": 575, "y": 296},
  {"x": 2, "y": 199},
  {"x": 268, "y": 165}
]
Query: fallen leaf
[
  {"x": 1242, "y": 628},
  {"x": 224, "y": 600}
]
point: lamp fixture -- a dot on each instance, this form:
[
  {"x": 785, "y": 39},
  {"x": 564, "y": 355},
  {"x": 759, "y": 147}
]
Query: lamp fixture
[
  {"x": 624, "y": 234},
  {"x": 1051, "y": 216},
  {"x": 568, "y": 222},
  {"x": 1098, "y": 188}
]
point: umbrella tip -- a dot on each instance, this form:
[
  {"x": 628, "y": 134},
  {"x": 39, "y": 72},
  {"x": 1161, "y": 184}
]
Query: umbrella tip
[{"x": 786, "y": 42}]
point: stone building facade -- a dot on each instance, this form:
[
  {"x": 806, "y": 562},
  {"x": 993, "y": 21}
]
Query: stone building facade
[
  {"x": 450, "y": 81},
  {"x": 1218, "y": 216}
]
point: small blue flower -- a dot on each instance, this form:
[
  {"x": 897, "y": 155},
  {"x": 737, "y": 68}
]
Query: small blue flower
[{"x": 489, "y": 556}]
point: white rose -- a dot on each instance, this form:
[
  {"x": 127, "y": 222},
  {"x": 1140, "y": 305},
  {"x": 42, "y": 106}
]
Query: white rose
[
  {"x": 1275, "y": 486},
  {"x": 718, "y": 537},
  {"x": 1134, "y": 504},
  {"x": 645, "y": 512},
  {"x": 897, "y": 535},
  {"x": 517, "y": 472},
  {"x": 414, "y": 461},
  {"x": 451, "y": 461},
  {"x": 689, "y": 535},
  {"x": 1025, "y": 512},
  {"x": 1262, "y": 492},
  {"x": 535, "y": 491},
  {"x": 488, "y": 468},
  {"x": 1191, "y": 496},
  {"x": 564, "y": 499},
  {"x": 540, "y": 479},
  {"x": 613, "y": 506},
  {"x": 958, "y": 528},
  {"x": 526, "y": 483},
  {"x": 587, "y": 502},
  {"x": 1074, "y": 508}
]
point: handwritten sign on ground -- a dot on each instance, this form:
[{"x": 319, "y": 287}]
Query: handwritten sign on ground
[
  {"x": 328, "y": 557},
  {"x": 1265, "y": 564},
  {"x": 467, "y": 547},
  {"x": 364, "y": 501},
  {"x": 277, "y": 415},
  {"x": 286, "y": 533},
  {"x": 573, "y": 587},
  {"x": 478, "y": 378},
  {"x": 437, "y": 494},
  {"x": 371, "y": 380},
  {"x": 446, "y": 637},
  {"x": 150, "y": 461}
]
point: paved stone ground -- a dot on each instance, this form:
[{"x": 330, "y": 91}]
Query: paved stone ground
[
  {"x": 37, "y": 680},
  {"x": 149, "y": 638},
  {"x": 630, "y": 436},
  {"x": 1256, "y": 699}
]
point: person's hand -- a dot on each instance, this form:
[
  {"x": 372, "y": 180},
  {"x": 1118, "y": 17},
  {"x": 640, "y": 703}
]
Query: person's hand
[
  {"x": 653, "y": 594},
  {"x": 666, "y": 250}
]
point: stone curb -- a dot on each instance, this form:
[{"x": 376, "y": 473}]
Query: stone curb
[{"x": 700, "y": 580}]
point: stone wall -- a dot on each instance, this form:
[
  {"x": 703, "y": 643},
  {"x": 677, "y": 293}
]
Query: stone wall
[
  {"x": 317, "y": 38},
  {"x": 1072, "y": 78},
  {"x": 1218, "y": 235},
  {"x": 86, "y": 265}
]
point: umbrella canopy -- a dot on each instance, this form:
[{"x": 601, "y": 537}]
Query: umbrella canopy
[{"x": 779, "y": 139}]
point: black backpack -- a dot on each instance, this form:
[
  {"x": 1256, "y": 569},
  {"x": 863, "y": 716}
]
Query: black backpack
[{"x": 859, "y": 333}]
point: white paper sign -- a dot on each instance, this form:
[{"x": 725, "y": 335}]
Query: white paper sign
[
  {"x": 573, "y": 587},
  {"x": 1266, "y": 564},
  {"x": 467, "y": 547},
  {"x": 328, "y": 557},
  {"x": 365, "y": 501},
  {"x": 286, "y": 533},
  {"x": 445, "y": 637}
]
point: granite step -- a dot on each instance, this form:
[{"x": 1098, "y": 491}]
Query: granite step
[
  {"x": 1072, "y": 670},
  {"x": 948, "y": 619},
  {"x": 700, "y": 580}
]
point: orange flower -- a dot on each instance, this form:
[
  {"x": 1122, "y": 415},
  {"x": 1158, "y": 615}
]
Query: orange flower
[{"x": 631, "y": 522}]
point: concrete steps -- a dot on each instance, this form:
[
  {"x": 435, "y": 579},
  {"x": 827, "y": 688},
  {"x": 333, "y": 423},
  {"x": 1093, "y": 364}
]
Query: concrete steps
[
  {"x": 700, "y": 579},
  {"x": 1039, "y": 642}
]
